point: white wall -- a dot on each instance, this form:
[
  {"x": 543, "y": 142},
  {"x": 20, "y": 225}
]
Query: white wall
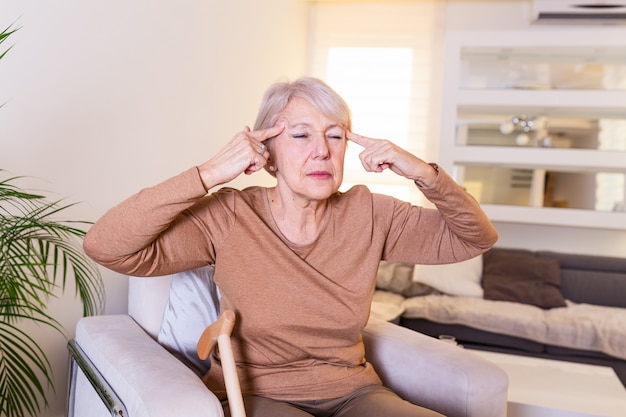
[
  {"x": 516, "y": 15},
  {"x": 105, "y": 97}
]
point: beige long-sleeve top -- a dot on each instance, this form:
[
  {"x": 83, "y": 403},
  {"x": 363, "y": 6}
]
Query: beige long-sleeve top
[{"x": 301, "y": 309}]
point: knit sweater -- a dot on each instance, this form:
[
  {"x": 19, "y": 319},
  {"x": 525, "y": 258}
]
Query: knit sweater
[{"x": 300, "y": 308}]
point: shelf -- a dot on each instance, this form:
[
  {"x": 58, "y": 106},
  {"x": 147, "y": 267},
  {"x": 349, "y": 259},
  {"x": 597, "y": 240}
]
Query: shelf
[
  {"x": 544, "y": 158},
  {"x": 588, "y": 103},
  {"x": 556, "y": 216}
]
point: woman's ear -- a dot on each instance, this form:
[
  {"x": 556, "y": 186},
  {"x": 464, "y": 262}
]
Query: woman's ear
[{"x": 270, "y": 166}]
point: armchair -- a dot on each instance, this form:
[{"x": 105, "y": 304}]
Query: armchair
[{"x": 119, "y": 369}]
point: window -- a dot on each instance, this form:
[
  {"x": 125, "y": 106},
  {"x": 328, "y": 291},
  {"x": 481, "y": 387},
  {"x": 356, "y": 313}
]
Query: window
[{"x": 383, "y": 59}]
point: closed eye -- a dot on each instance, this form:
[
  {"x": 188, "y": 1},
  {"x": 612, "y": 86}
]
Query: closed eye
[{"x": 335, "y": 134}]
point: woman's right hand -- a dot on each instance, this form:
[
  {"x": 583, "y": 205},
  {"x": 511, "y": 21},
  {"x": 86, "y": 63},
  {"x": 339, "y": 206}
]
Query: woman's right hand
[{"x": 244, "y": 153}]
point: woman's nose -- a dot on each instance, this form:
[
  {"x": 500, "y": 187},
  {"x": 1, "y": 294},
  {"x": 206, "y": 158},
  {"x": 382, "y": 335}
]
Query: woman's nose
[{"x": 320, "y": 147}]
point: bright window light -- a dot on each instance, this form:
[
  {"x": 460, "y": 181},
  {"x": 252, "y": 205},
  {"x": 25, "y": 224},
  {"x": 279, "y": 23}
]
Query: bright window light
[{"x": 376, "y": 83}]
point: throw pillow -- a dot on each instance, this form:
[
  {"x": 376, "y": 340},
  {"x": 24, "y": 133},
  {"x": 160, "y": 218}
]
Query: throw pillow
[
  {"x": 524, "y": 279},
  {"x": 193, "y": 304},
  {"x": 459, "y": 278},
  {"x": 396, "y": 277}
]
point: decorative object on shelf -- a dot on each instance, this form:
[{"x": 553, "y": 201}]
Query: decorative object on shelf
[{"x": 537, "y": 125}]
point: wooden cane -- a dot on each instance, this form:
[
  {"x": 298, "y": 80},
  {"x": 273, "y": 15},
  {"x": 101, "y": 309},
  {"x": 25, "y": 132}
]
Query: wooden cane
[{"x": 219, "y": 332}]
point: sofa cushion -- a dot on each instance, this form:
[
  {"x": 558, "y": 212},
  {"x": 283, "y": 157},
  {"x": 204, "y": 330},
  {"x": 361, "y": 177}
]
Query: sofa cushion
[
  {"x": 193, "y": 304},
  {"x": 577, "y": 326},
  {"x": 459, "y": 278},
  {"x": 592, "y": 279},
  {"x": 387, "y": 306},
  {"x": 588, "y": 327},
  {"x": 397, "y": 278},
  {"x": 523, "y": 278},
  {"x": 514, "y": 319}
]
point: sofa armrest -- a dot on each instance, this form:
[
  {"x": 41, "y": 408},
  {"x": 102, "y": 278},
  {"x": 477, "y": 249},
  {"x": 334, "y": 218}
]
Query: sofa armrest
[
  {"x": 433, "y": 374},
  {"x": 148, "y": 380}
]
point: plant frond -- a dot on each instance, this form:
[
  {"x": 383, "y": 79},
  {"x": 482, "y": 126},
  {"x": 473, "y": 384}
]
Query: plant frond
[
  {"x": 12, "y": 311},
  {"x": 47, "y": 251},
  {"x": 6, "y": 32},
  {"x": 39, "y": 255},
  {"x": 21, "y": 362}
]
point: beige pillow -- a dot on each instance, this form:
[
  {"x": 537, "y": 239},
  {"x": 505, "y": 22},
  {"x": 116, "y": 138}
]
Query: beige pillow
[
  {"x": 459, "y": 278},
  {"x": 396, "y": 277}
]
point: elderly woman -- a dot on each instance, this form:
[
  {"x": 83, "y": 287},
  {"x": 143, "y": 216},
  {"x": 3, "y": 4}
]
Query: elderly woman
[{"x": 296, "y": 261}]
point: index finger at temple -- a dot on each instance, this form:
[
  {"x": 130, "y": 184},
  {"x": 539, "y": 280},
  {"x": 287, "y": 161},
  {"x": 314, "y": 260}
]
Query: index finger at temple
[
  {"x": 264, "y": 134},
  {"x": 359, "y": 140}
]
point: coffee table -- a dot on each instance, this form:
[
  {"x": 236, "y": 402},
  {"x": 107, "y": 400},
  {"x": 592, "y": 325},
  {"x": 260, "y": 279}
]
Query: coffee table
[{"x": 548, "y": 388}]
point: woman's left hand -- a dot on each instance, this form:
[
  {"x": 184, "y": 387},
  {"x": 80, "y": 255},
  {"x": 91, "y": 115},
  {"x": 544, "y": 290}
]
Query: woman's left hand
[{"x": 381, "y": 154}]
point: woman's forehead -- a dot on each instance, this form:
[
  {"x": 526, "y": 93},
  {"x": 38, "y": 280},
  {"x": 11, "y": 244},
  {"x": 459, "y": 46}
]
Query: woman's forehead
[
  {"x": 301, "y": 113},
  {"x": 312, "y": 126}
]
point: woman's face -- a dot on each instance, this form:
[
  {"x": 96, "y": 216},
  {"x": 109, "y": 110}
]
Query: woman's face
[{"x": 309, "y": 153}]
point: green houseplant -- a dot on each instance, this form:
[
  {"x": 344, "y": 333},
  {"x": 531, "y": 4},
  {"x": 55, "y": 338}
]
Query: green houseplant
[{"x": 39, "y": 256}]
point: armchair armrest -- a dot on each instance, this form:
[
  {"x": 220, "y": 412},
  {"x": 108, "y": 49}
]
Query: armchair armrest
[
  {"x": 146, "y": 378},
  {"x": 433, "y": 374}
]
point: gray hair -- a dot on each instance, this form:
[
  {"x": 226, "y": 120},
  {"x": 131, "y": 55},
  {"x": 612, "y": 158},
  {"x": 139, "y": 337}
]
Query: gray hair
[{"x": 315, "y": 91}]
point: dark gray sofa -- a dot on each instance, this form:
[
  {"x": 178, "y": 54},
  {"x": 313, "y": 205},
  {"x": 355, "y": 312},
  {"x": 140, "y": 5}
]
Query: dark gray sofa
[{"x": 596, "y": 280}]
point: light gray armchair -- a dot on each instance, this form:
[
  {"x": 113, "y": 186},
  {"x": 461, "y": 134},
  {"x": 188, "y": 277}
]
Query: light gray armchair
[{"x": 119, "y": 369}]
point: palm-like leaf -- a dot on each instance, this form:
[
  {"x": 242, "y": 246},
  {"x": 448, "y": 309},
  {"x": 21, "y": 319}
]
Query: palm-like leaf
[
  {"x": 21, "y": 363},
  {"x": 3, "y": 37},
  {"x": 39, "y": 254}
]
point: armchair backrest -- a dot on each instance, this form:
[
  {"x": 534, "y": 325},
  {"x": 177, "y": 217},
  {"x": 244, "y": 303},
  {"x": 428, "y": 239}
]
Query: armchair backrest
[{"x": 147, "y": 299}]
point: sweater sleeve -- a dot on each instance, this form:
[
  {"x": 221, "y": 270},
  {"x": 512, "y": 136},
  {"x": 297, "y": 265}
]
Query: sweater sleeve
[
  {"x": 151, "y": 233},
  {"x": 456, "y": 230}
]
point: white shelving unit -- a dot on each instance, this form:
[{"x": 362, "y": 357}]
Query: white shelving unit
[{"x": 576, "y": 80}]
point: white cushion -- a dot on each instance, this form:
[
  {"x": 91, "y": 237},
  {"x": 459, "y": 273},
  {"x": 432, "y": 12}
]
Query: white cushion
[
  {"x": 460, "y": 278},
  {"x": 193, "y": 304},
  {"x": 147, "y": 299},
  {"x": 387, "y": 305}
]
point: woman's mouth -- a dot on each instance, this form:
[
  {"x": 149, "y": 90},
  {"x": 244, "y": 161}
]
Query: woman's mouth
[{"x": 319, "y": 174}]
